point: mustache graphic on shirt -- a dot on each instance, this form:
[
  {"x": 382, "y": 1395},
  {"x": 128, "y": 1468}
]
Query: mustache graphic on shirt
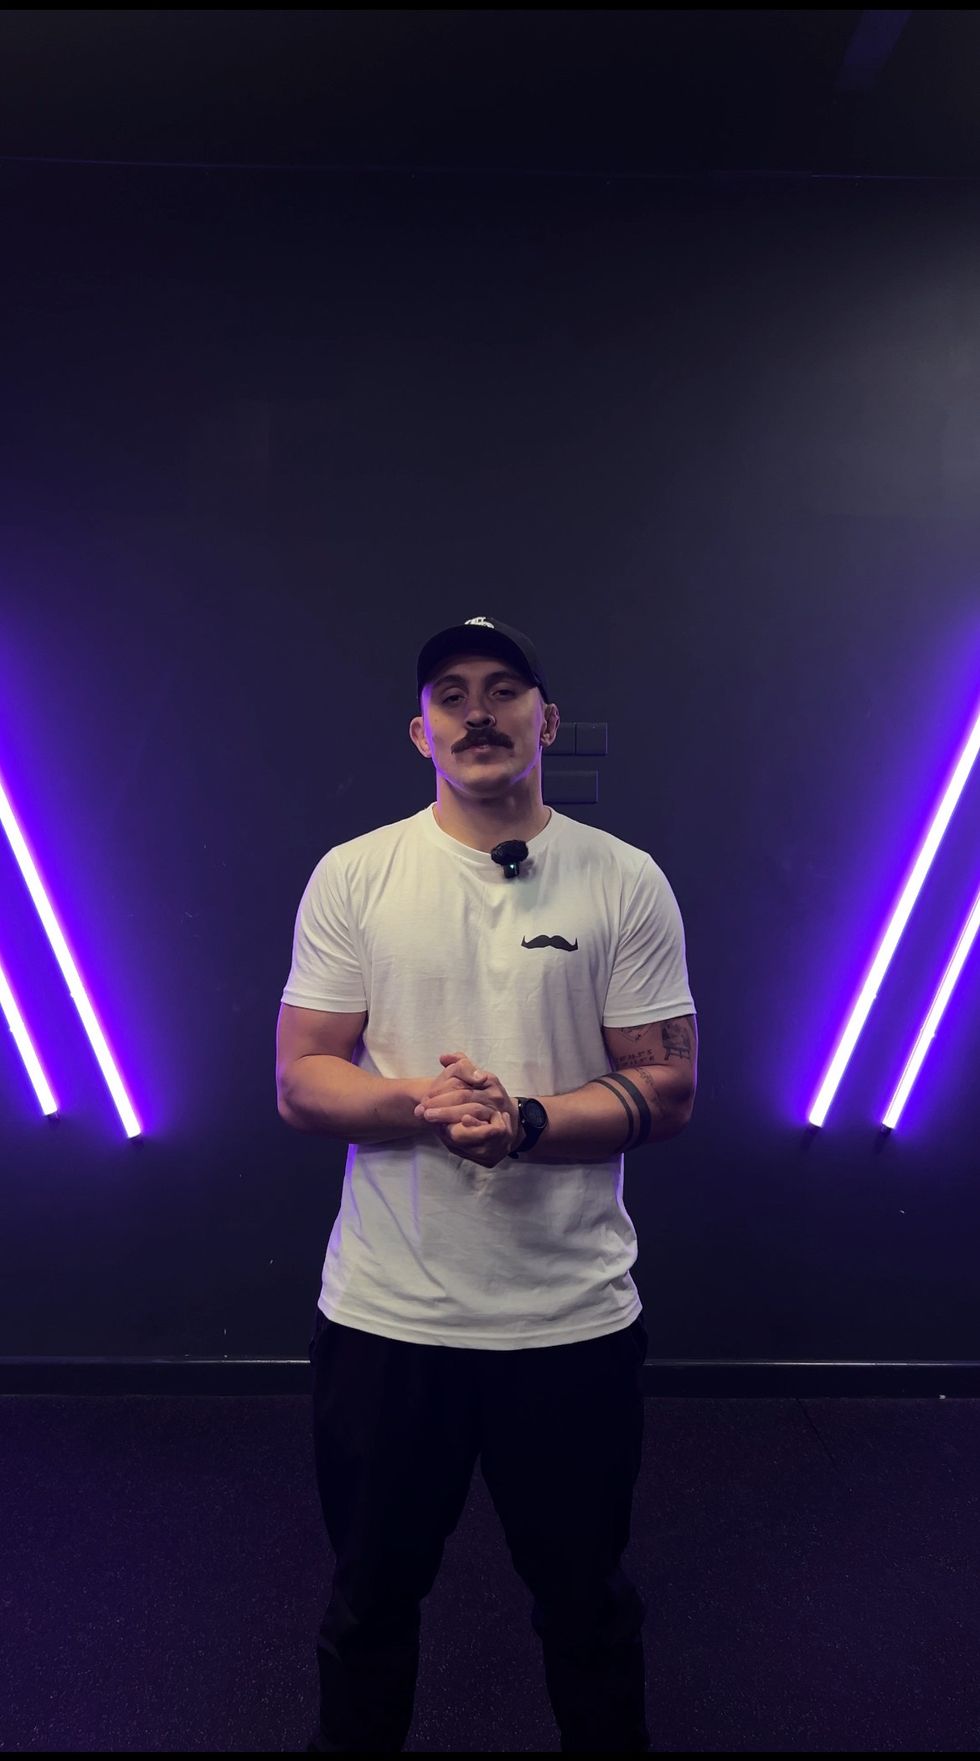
[{"x": 550, "y": 942}]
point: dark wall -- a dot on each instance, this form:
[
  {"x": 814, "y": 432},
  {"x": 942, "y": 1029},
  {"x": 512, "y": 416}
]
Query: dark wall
[{"x": 717, "y": 448}]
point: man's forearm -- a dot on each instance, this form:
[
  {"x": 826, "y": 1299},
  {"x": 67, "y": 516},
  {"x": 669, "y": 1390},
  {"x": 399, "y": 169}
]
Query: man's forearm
[
  {"x": 332, "y": 1096},
  {"x": 612, "y": 1113}
]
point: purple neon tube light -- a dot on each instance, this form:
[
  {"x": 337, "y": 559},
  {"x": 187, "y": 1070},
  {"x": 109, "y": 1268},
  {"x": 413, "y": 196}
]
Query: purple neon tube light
[
  {"x": 934, "y": 1014},
  {"x": 25, "y": 1046},
  {"x": 72, "y": 976},
  {"x": 900, "y": 915}
]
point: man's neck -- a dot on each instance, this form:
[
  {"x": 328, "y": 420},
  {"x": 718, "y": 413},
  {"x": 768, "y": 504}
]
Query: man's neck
[{"x": 482, "y": 825}]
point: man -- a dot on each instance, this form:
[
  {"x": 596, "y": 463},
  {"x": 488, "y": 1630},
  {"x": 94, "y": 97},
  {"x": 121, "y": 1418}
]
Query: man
[{"x": 489, "y": 1001}]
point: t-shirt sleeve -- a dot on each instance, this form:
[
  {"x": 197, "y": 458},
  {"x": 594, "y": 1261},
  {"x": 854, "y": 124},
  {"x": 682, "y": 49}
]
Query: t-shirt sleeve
[
  {"x": 649, "y": 979},
  {"x": 326, "y": 972}
]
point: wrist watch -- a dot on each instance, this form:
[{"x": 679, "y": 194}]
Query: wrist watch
[{"x": 532, "y": 1119}]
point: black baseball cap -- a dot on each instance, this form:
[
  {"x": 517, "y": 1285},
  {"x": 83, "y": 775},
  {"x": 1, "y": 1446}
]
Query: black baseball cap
[{"x": 483, "y": 636}]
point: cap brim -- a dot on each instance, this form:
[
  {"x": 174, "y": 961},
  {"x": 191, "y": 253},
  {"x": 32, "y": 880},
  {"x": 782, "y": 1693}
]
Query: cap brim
[{"x": 476, "y": 639}]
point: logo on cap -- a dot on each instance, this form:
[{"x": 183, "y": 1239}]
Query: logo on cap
[{"x": 487, "y": 625}]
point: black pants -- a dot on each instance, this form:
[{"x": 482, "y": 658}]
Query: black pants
[{"x": 558, "y": 1430}]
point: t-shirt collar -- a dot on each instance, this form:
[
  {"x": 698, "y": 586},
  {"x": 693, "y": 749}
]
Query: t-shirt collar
[{"x": 482, "y": 858}]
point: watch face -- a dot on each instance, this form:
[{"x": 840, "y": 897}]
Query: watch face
[{"x": 535, "y": 1115}]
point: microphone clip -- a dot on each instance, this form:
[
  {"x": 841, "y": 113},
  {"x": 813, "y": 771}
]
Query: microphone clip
[{"x": 510, "y": 855}]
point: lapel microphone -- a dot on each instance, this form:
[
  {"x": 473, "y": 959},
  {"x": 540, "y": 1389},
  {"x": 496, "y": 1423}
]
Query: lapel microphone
[{"x": 510, "y": 856}]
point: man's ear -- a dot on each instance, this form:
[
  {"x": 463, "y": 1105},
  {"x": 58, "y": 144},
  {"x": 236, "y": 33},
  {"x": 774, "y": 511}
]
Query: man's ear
[{"x": 416, "y": 733}]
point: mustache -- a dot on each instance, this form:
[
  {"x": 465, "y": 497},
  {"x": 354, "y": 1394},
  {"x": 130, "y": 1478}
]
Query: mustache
[
  {"x": 480, "y": 740},
  {"x": 550, "y": 942}
]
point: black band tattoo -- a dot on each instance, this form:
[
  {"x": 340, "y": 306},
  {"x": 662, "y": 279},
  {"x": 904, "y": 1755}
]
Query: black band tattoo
[
  {"x": 604, "y": 1083},
  {"x": 643, "y": 1124}
]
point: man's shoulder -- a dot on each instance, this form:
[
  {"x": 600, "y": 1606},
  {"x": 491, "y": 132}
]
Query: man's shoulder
[
  {"x": 594, "y": 844},
  {"x": 361, "y": 852}
]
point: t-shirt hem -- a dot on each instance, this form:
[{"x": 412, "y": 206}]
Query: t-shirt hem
[
  {"x": 659, "y": 1012},
  {"x": 329, "y": 1005},
  {"x": 463, "y": 1337}
]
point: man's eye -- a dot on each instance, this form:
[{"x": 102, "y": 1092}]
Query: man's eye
[{"x": 454, "y": 696}]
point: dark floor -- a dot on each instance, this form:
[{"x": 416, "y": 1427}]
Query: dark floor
[{"x": 811, "y": 1569}]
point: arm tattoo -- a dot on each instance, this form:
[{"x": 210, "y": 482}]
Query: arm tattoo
[
  {"x": 657, "y": 1042},
  {"x": 641, "y": 1095},
  {"x": 641, "y": 1126},
  {"x": 605, "y": 1082},
  {"x": 677, "y": 1039}
]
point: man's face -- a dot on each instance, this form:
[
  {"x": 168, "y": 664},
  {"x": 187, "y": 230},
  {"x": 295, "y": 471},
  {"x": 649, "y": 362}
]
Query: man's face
[{"x": 482, "y": 724}]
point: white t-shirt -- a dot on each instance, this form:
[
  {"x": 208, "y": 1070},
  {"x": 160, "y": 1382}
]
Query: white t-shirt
[{"x": 438, "y": 946}]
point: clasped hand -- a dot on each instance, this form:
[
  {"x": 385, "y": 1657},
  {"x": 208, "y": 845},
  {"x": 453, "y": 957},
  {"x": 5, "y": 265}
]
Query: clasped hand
[{"x": 471, "y": 1111}]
